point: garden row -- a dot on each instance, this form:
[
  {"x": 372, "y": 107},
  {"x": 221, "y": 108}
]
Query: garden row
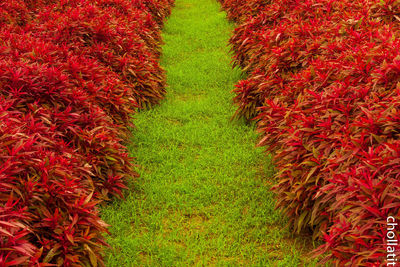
[
  {"x": 72, "y": 73},
  {"x": 324, "y": 87}
]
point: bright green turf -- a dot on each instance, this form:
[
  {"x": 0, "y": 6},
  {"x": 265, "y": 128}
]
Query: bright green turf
[{"x": 203, "y": 196}]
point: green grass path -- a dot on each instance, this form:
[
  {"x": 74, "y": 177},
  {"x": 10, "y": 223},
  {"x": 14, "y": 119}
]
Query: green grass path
[{"x": 203, "y": 196}]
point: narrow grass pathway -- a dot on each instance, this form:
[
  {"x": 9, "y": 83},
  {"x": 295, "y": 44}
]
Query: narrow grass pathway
[{"x": 202, "y": 198}]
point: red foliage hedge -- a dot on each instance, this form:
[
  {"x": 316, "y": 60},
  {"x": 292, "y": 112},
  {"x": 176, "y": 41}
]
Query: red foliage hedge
[
  {"x": 71, "y": 75},
  {"x": 324, "y": 86},
  {"x": 240, "y": 10},
  {"x": 115, "y": 39}
]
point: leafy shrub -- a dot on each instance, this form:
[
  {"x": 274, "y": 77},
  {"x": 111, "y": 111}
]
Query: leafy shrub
[
  {"x": 324, "y": 89},
  {"x": 66, "y": 100},
  {"x": 99, "y": 82},
  {"x": 46, "y": 180},
  {"x": 93, "y": 32},
  {"x": 159, "y": 9},
  {"x": 14, "y": 12},
  {"x": 241, "y": 10},
  {"x": 78, "y": 155}
]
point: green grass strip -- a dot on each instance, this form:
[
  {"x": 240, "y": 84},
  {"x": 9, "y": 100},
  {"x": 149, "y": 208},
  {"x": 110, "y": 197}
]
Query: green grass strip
[{"x": 203, "y": 197}]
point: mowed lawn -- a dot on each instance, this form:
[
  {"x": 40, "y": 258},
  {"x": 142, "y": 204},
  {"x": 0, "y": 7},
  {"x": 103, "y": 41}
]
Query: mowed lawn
[{"x": 203, "y": 195}]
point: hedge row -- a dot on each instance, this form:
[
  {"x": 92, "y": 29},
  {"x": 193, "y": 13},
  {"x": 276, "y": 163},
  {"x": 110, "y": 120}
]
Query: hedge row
[
  {"x": 72, "y": 73},
  {"x": 324, "y": 86}
]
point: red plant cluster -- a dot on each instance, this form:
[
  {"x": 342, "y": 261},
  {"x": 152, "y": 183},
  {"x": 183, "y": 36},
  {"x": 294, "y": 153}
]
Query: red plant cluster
[
  {"x": 324, "y": 86},
  {"x": 240, "y": 10},
  {"x": 71, "y": 75}
]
